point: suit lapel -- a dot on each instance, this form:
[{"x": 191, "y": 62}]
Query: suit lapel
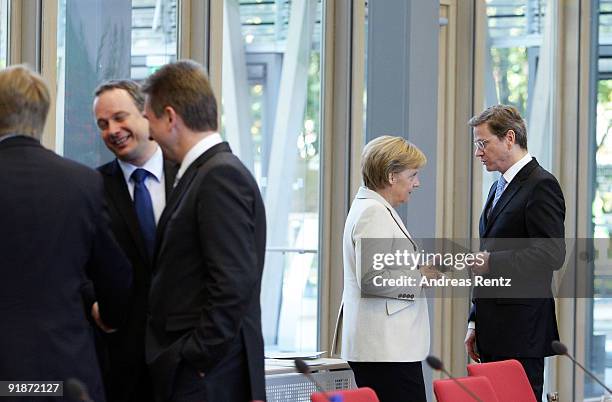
[
  {"x": 505, "y": 198},
  {"x": 401, "y": 226},
  {"x": 373, "y": 195},
  {"x": 170, "y": 171},
  {"x": 483, "y": 216},
  {"x": 181, "y": 189},
  {"x": 175, "y": 197},
  {"x": 513, "y": 188},
  {"x": 117, "y": 188}
]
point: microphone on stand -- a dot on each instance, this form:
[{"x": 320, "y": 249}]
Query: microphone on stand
[
  {"x": 304, "y": 369},
  {"x": 436, "y": 364},
  {"x": 76, "y": 390},
  {"x": 561, "y": 349}
]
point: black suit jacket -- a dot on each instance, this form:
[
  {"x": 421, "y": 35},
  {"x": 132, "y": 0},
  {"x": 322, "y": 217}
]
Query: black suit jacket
[
  {"x": 126, "y": 356},
  {"x": 524, "y": 233},
  {"x": 53, "y": 224},
  {"x": 204, "y": 299}
]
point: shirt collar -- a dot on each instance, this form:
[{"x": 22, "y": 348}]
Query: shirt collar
[
  {"x": 198, "y": 149},
  {"x": 155, "y": 166},
  {"x": 514, "y": 169}
]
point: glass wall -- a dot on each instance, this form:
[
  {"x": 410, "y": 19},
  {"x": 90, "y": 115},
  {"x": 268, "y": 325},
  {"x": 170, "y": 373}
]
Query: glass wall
[
  {"x": 519, "y": 69},
  {"x": 599, "y": 315},
  {"x": 514, "y": 38},
  {"x": 365, "y": 67},
  {"x": 4, "y": 32},
  {"x": 100, "y": 40},
  {"x": 272, "y": 119}
]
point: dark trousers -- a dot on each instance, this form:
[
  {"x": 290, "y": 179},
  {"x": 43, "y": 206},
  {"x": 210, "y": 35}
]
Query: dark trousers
[
  {"x": 137, "y": 387},
  {"x": 534, "y": 368},
  {"x": 392, "y": 382},
  {"x": 228, "y": 381},
  {"x": 124, "y": 379}
]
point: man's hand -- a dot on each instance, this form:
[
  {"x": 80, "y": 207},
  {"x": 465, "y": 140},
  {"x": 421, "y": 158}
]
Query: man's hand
[
  {"x": 470, "y": 345},
  {"x": 481, "y": 265},
  {"x": 95, "y": 313}
]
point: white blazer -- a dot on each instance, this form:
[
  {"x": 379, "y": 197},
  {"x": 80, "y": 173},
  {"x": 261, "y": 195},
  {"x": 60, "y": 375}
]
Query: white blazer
[{"x": 379, "y": 329}]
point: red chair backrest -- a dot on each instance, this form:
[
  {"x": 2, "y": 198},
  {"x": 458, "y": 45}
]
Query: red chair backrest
[
  {"x": 364, "y": 394},
  {"x": 508, "y": 379},
  {"x": 449, "y": 391}
]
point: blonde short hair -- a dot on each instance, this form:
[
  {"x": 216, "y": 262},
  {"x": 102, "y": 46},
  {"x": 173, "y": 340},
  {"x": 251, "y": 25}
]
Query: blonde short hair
[
  {"x": 386, "y": 155},
  {"x": 24, "y": 102},
  {"x": 184, "y": 86}
]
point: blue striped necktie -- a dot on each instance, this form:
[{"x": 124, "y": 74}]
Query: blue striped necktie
[
  {"x": 501, "y": 184},
  {"x": 144, "y": 209}
]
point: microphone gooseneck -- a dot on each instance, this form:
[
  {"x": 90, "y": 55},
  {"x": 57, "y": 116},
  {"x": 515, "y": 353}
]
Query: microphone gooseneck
[
  {"x": 560, "y": 349},
  {"x": 304, "y": 369}
]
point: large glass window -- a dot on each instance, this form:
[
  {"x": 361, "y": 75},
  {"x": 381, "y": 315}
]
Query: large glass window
[
  {"x": 515, "y": 36},
  {"x": 365, "y": 66},
  {"x": 519, "y": 69},
  {"x": 4, "y": 33},
  {"x": 272, "y": 119},
  {"x": 100, "y": 40},
  {"x": 599, "y": 315}
]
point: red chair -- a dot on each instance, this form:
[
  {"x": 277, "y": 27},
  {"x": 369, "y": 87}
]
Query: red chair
[
  {"x": 508, "y": 379},
  {"x": 364, "y": 394},
  {"x": 449, "y": 391}
]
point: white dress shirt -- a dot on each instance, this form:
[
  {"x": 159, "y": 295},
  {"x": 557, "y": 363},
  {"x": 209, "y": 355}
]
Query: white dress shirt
[
  {"x": 514, "y": 169},
  {"x": 194, "y": 153},
  {"x": 155, "y": 182}
]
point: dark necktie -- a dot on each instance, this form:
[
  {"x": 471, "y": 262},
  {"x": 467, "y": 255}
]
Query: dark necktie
[{"x": 144, "y": 209}]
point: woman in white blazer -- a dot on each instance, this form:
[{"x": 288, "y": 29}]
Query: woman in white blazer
[{"x": 385, "y": 329}]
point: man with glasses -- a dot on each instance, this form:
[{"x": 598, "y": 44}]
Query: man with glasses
[{"x": 521, "y": 228}]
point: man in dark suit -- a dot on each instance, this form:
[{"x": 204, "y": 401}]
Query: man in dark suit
[
  {"x": 204, "y": 340},
  {"x": 521, "y": 230},
  {"x": 53, "y": 224},
  {"x": 118, "y": 107}
]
